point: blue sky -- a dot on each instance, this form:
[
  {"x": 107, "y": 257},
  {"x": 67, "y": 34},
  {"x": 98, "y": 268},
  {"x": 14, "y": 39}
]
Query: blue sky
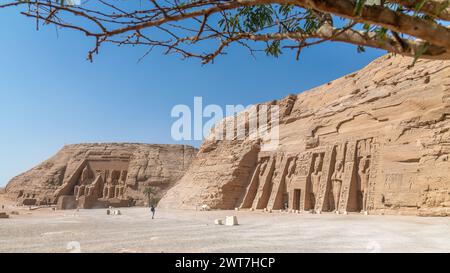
[{"x": 51, "y": 96}]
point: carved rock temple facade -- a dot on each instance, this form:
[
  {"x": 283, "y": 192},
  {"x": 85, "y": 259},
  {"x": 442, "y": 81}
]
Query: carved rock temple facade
[
  {"x": 102, "y": 175},
  {"x": 377, "y": 140},
  {"x": 331, "y": 178}
]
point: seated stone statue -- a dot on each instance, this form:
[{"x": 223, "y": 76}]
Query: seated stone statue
[
  {"x": 80, "y": 191},
  {"x": 76, "y": 190},
  {"x": 105, "y": 191},
  {"x": 109, "y": 190},
  {"x": 92, "y": 189},
  {"x": 85, "y": 179}
]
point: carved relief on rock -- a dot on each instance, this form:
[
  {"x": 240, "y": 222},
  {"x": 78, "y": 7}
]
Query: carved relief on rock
[
  {"x": 265, "y": 184},
  {"x": 315, "y": 179},
  {"x": 338, "y": 175},
  {"x": 255, "y": 180},
  {"x": 363, "y": 171},
  {"x": 435, "y": 198},
  {"x": 83, "y": 182},
  {"x": 279, "y": 199}
]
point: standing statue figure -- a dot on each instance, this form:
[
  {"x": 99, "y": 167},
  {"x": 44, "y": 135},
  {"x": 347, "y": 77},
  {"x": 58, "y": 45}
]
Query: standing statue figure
[
  {"x": 363, "y": 175},
  {"x": 336, "y": 180},
  {"x": 291, "y": 171},
  {"x": 316, "y": 176},
  {"x": 263, "y": 168}
]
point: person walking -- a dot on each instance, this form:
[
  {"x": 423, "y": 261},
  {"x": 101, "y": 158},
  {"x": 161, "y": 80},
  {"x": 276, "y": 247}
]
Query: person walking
[{"x": 153, "y": 210}]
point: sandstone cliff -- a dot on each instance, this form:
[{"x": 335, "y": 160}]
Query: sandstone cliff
[
  {"x": 116, "y": 172},
  {"x": 377, "y": 140}
]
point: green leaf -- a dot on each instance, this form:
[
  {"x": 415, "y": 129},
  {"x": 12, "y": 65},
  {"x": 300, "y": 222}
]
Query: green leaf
[
  {"x": 445, "y": 4},
  {"x": 312, "y": 23},
  {"x": 419, "y": 6},
  {"x": 381, "y": 33},
  {"x": 285, "y": 10},
  {"x": 420, "y": 52},
  {"x": 359, "y": 7},
  {"x": 274, "y": 49}
]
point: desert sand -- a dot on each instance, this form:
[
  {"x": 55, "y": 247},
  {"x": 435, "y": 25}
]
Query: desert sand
[{"x": 177, "y": 231}]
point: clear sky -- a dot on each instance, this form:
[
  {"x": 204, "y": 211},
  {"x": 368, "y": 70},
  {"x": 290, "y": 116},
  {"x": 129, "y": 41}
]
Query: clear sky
[{"x": 51, "y": 96}]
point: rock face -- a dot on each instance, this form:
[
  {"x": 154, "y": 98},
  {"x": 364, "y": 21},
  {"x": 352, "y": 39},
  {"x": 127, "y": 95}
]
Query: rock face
[
  {"x": 377, "y": 140},
  {"x": 101, "y": 175}
]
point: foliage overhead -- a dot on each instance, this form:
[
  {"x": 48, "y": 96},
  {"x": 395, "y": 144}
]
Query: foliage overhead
[{"x": 204, "y": 29}]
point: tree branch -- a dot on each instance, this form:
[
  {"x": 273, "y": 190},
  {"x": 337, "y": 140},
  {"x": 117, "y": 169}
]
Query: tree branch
[
  {"x": 435, "y": 8},
  {"x": 311, "y": 19},
  {"x": 351, "y": 36},
  {"x": 377, "y": 15}
]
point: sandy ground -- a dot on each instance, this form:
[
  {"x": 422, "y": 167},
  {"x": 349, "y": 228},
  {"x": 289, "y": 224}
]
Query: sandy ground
[{"x": 190, "y": 231}]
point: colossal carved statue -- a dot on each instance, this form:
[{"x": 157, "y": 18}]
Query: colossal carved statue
[
  {"x": 316, "y": 176},
  {"x": 120, "y": 188},
  {"x": 336, "y": 180},
  {"x": 84, "y": 181},
  {"x": 263, "y": 167},
  {"x": 363, "y": 177},
  {"x": 115, "y": 185},
  {"x": 94, "y": 188},
  {"x": 105, "y": 191},
  {"x": 79, "y": 191},
  {"x": 292, "y": 171},
  {"x": 85, "y": 176}
]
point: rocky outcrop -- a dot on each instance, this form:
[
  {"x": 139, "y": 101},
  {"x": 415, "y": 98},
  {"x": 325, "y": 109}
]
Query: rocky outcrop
[
  {"x": 98, "y": 175},
  {"x": 377, "y": 140}
]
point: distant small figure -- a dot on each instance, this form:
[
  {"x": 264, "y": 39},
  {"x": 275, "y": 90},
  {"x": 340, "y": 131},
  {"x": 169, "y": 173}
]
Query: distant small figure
[
  {"x": 153, "y": 210},
  {"x": 3, "y": 206}
]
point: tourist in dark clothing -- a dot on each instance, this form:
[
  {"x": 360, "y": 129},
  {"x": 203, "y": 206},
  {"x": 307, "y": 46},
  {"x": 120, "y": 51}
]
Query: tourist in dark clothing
[{"x": 153, "y": 210}]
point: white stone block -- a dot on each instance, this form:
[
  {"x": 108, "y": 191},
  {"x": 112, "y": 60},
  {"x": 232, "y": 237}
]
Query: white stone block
[
  {"x": 205, "y": 208},
  {"x": 218, "y": 222},
  {"x": 231, "y": 221}
]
